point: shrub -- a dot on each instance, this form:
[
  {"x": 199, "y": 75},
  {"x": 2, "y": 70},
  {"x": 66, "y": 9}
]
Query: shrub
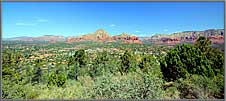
[
  {"x": 197, "y": 86},
  {"x": 37, "y": 75},
  {"x": 215, "y": 56},
  {"x": 72, "y": 90},
  {"x": 99, "y": 64},
  {"x": 172, "y": 93},
  {"x": 149, "y": 64},
  {"x": 11, "y": 90},
  {"x": 219, "y": 80},
  {"x": 77, "y": 60},
  {"x": 126, "y": 62},
  {"x": 203, "y": 44},
  {"x": 56, "y": 80},
  {"x": 131, "y": 86},
  {"x": 184, "y": 60}
]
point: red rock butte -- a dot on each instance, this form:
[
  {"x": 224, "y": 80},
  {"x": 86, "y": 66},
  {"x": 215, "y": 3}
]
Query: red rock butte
[{"x": 102, "y": 36}]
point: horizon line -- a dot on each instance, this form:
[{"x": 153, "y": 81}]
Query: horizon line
[{"x": 119, "y": 34}]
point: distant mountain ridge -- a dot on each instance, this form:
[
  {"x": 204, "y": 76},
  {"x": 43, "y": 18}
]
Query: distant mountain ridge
[
  {"x": 206, "y": 33},
  {"x": 22, "y": 38},
  {"x": 101, "y": 35},
  {"x": 215, "y": 35}
]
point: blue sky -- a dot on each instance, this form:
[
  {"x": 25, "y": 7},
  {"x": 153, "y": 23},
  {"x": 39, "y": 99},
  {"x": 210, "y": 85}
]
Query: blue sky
[{"x": 78, "y": 18}]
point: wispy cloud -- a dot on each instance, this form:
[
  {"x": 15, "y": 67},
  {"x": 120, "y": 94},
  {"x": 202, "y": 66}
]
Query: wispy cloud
[
  {"x": 165, "y": 30},
  {"x": 36, "y": 21},
  {"x": 112, "y": 25},
  {"x": 25, "y": 24},
  {"x": 143, "y": 35},
  {"x": 42, "y": 20}
]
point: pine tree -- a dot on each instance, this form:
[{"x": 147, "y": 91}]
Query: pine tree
[
  {"x": 126, "y": 60},
  {"x": 77, "y": 60},
  {"x": 37, "y": 75}
]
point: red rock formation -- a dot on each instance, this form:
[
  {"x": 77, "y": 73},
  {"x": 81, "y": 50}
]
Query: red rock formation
[
  {"x": 102, "y": 36},
  {"x": 216, "y": 39},
  {"x": 52, "y": 41},
  {"x": 49, "y": 38},
  {"x": 137, "y": 42},
  {"x": 127, "y": 39}
]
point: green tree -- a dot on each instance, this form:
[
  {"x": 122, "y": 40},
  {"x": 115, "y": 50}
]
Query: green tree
[
  {"x": 37, "y": 75},
  {"x": 37, "y": 72},
  {"x": 11, "y": 67},
  {"x": 134, "y": 85},
  {"x": 203, "y": 44},
  {"x": 126, "y": 61},
  {"x": 77, "y": 60},
  {"x": 184, "y": 60},
  {"x": 215, "y": 56},
  {"x": 99, "y": 64},
  {"x": 56, "y": 79},
  {"x": 146, "y": 63}
]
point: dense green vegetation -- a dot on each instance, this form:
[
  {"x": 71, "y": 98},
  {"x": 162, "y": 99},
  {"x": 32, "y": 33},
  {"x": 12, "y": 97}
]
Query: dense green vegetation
[{"x": 90, "y": 70}]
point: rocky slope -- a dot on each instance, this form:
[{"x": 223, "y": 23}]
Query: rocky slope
[
  {"x": 215, "y": 35},
  {"x": 102, "y": 36},
  {"x": 20, "y": 39},
  {"x": 49, "y": 38},
  {"x": 127, "y": 39},
  {"x": 99, "y": 35}
]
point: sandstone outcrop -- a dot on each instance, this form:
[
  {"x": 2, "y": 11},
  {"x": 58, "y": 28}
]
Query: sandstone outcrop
[{"x": 102, "y": 36}]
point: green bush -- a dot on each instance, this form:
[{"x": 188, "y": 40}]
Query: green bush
[
  {"x": 126, "y": 62},
  {"x": 198, "y": 71},
  {"x": 172, "y": 93},
  {"x": 131, "y": 86},
  {"x": 184, "y": 60},
  {"x": 37, "y": 75},
  {"x": 149, "y": 63},
  {"x": 11, "y": 90},
  {"x": 77, "y": 60},
  {"x": 72, "y": 90},
  {"x": 56, "y": 80},
  {"x": 219, "y": 80},
  {"x": 215, "y": 56},
  {"x": 197, "y": 87}
]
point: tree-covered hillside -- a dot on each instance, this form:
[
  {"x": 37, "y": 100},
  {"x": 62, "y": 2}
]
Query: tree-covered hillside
[{"x": 92, "y": 70}]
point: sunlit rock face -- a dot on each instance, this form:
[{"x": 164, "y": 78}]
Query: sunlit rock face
[
  {"x": 102, "y": 36},
  {"x": 127, "y": 39},
  {"x": 214, "y": 35}
]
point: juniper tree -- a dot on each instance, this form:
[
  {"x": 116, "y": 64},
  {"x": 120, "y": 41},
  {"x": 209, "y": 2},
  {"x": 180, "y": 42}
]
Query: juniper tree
[{"x": 77, "y": 60}]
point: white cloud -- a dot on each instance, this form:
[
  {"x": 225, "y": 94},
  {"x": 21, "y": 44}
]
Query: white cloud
[
  {"x": 33, "y": 23},
  {"x": 137, "y": 31},
  {"x": 112, "y": 25},
  {"x": 39, "y": 19},
  {"x": 144, "y": 35},
  {"x": 165, "y": 30},
  {"x": 42, "y": 20},
  {"x": 25, "y": 24}
]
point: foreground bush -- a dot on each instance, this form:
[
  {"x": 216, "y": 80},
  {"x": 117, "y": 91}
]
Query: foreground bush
[
  {"x": 184, "y": 60},
  {"x": 56, "y": 80},
  {"x": 131, "y": 86},
  {"x": 12, "y": 90},
  {"x": 198, "y": 87}
]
